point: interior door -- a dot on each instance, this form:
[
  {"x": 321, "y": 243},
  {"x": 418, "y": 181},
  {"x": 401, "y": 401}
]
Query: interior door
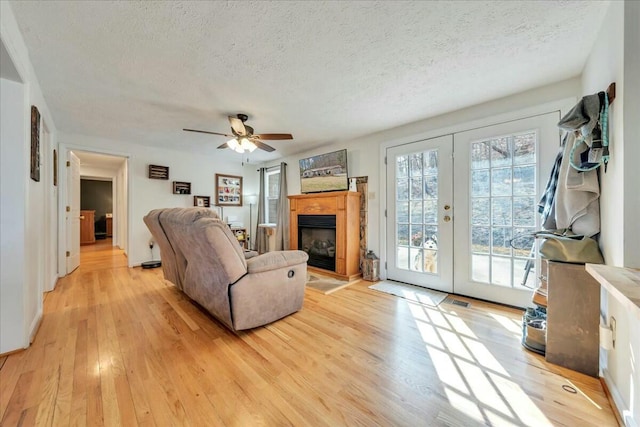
[
  {"x": 73, "y": 213},
  {"x": 419, "y": 213},
  {"x": 500, "y": 174}
]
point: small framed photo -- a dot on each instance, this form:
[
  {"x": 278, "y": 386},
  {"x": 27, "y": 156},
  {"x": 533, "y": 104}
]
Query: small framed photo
[
  {"x": 201, "y": 201},
  {"x": 228, "y": 190}
]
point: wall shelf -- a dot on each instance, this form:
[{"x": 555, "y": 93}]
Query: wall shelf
[
  {"x": 158, "y": 172},
  {"x": 181, "y": 187},
  {"x": 202, "y": 201}
]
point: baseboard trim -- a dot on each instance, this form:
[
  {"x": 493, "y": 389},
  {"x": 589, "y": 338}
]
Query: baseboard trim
[
  {"x": 622, "y": 413},
  {"x": 9, "y": 353},
  {"x": 35, "y": 327}
]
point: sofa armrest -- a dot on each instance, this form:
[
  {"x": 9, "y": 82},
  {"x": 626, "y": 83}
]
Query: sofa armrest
[
  {"x": 274, "y": 260},
  {"x": 250, "y": 254}
]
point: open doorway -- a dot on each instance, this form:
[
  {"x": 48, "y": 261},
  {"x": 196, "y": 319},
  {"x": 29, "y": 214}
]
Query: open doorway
[
  {"x": 96, "y": 210},
  {"x": 96, "y": 207}
]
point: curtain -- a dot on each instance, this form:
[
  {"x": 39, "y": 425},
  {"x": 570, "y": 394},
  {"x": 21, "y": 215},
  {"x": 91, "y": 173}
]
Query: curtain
[
  {"x": 261, "y": 241},
  {"x": 282, "y": 224}
]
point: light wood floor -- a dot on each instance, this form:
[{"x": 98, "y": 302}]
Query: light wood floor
[{"x": 119, "y": 346}]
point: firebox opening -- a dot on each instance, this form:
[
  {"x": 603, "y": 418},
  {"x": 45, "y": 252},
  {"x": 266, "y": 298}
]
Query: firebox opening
[{"x": 317, "y": 237}]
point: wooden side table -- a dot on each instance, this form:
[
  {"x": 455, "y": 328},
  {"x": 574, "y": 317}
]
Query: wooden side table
[{"x": 573, "y": 318}]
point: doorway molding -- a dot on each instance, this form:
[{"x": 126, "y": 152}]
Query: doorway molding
[{"x": 64, "y": 150}]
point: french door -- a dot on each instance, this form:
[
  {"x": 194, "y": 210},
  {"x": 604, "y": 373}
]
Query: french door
[
  {"x": 501, "y": 172},
  {"x": 419, "y": 214},
  {"x": 491, "y": 178}
]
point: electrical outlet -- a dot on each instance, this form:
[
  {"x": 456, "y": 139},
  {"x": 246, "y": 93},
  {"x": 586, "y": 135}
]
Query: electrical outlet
[{"x": 612, "y": 325}]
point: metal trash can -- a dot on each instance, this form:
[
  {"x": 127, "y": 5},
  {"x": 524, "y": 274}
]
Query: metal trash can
[{"x": 371, "y": 267}]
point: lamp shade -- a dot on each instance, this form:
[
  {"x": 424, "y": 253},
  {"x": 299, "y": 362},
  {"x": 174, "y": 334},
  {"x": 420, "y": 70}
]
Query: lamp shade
[
  {"x": 233, "y": 144},
  {"x": 241, "y": 145},
  {"x": 251, "y": 199},
  {"x": 247, "y": 145}
]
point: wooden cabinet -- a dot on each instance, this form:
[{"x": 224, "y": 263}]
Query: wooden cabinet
[
  {"x": 109, "y": 226},
  {"x": 87, "y": 227},
  {"x": 345, "y": 206},
  {"x": 573, "y": 317}
]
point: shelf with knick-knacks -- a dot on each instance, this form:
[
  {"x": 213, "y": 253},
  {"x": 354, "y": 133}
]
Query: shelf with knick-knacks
[
  {"x": 181, "y": 187},
  {"x": 240, "y": 233}
]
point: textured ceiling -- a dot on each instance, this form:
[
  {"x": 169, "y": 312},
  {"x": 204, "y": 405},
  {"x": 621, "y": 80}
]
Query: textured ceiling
[{"x": 323, "y": 71}]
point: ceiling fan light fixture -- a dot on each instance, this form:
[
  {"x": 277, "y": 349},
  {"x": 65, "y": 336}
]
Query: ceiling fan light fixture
[
  {"x": 247, "y": 145},
  {"x": 244, "y": 139},
  {"x": 233, "y": 144}
]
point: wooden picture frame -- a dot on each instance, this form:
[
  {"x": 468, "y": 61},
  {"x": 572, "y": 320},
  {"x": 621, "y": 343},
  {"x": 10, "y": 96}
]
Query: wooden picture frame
[
  {"x": 35, "y": 144},
  {"x": 55, "y": 167},
  {"x": 228, "y": 190},
  {"x": 201, "y": 201}
]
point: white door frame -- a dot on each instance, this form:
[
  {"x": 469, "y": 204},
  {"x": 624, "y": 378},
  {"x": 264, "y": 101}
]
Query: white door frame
[
  {"x": 72, "y": 215},
  {"x": 563, "y": 105},
  {"x": 63, "y": 154}
]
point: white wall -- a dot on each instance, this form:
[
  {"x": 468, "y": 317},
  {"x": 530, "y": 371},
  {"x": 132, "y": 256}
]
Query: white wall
[
  {"x": 614, "y": 58},
  {"x": 14, "y": 164},
  {"x": 146, "y": 194},
  {"x": 631, "y": 100},
  {"x": 22, "y": 291},
  {"x": 50, "y": 247}
]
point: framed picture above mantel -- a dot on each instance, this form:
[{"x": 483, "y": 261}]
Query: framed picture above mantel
[{"x": 228, "y": 190}]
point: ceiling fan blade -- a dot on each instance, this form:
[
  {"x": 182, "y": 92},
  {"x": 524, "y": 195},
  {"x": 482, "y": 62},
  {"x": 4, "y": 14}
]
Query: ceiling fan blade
[
  {"x": 274, "y": 136},
  {"x": 206, "y": 131},
  {"x": 225, "y": 145},
  {"x": 261, "y": 145},
  {"x": 237, "y": 126}
]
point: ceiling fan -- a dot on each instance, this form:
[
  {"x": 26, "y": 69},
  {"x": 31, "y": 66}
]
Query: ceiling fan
[{"x": 242, "y": 138}]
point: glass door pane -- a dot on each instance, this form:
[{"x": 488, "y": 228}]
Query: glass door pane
[
  {"x": 503, "y": 206},
  {"x": 421, "y": 241},
  {"x": 500, "y": 172}
]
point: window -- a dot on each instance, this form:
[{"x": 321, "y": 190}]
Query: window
[
  {"x": 503, "y": 205},
  {"x": 271, "y": 192}
]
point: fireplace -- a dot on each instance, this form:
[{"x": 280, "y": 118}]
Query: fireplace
[
  {"x": 327, "y": 227},
  {"x": 317, "y": 237}
]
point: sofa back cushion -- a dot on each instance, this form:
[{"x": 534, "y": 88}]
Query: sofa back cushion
[
  {"x": 173, "y": 263},
  {"x": 168, "y": 255},
  {"x": 208, "y": 257}
]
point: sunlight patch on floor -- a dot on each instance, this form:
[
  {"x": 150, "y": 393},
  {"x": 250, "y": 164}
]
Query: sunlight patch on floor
[
  {"x": 474, "y": 381},
  {"x": 509, "y": 324},
  {"x": 483, "y": 356}
]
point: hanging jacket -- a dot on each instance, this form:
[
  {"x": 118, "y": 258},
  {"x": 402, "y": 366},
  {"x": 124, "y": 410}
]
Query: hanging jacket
[{"x": 571, "y": 199}]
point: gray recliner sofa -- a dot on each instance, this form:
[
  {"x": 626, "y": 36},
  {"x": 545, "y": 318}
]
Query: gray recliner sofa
[{"x": 202, "y": 257}]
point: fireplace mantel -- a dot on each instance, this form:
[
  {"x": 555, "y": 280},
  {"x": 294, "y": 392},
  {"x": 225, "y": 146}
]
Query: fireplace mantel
[{"x": 345, "y": 205}]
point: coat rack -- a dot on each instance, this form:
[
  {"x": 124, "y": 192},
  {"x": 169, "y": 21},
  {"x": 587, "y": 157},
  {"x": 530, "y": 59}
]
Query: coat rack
[{"x": 611, "y": 92}]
